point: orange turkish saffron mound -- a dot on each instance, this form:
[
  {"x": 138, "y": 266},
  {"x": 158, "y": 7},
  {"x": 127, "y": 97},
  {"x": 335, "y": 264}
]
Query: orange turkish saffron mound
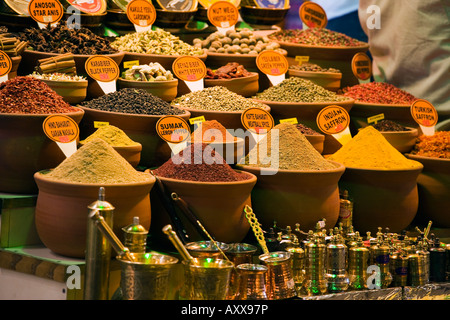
[
  {"x": 435, "y": 146},
  {"x": 211, "y": 131}
]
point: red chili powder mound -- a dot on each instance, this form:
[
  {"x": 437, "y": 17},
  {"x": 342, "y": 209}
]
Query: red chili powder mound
[
  {"x": 379, "y": 92},
  {"x": 208, "y": 132},
  {"x": 28, "y": 95},
  {"x": 199, "y": 162}
]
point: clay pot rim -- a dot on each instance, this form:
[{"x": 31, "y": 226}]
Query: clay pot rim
[
  {"x": 419, "y": 168},
  {"x": 411, "y": 132},
  {"x": 173, "y": 81},
  {"x": 237, "y": 140},
  {"x": 383, "y": 105},
  {"x": 39, "y": 176},
  {"x": 137, "y": 146},
  {"x": 149, "y": 55},
  {"x": 339, "y": 168},
  {"x": 365, "y": 46},
  {"x": 50, "y": 54},
  {"x": 80, "y": 83},
  {"x": 315, "y": 74},
  {"x": 418, "y": 158},
  {"x": 242, "y": 55},
  {"x": 133, "y": 115},
  {"x": 80, "y": 111},
  {"x": 208, "y": 183},
  {"x": 176, "y": 11},
  {"x": 211, "y": 112},
  {"x": 349, "y": 102},
  {"x": 252, "y": 76},
  {"x": 268, "y": 9}
]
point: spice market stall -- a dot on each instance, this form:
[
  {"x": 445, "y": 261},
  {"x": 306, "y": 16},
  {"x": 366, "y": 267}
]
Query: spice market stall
[{"x": 222, "y": 177}]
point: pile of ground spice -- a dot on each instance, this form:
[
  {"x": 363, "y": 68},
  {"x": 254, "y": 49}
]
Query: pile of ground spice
[
  {"x": 316, "y": 37},
  {"x": 369, "y": 149},
  {"x": 299, "y": 90},
  {"x": 289, "y": 149},
  {"x": 132, "y": 101},
  {"x": 199, "y": 162},
  {"x": 97, "y": 162},
  {"x": 378, "y": 92},
  {"x": 28, "y": 95},
  {"x": 211, "y": 131},
  {"x": 112, "y": 135},
  {"x": 389, "y": 126},
  {"x": 435, "y": 146}
]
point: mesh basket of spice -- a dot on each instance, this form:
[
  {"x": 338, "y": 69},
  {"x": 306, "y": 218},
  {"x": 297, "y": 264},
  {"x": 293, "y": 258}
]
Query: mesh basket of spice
[
  {"x": 295, "y": 183},
  {"x": 434, "y": 181},
  {"x": 215, "y": 192},
  {"x": 25, "y": 102},
  {"x": 66, "y": 191},
  {"x": 136, "y": 112}
]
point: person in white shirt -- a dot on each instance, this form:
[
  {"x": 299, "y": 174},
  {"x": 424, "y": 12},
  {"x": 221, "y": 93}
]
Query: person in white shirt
[{"x": 410, "y": 48}]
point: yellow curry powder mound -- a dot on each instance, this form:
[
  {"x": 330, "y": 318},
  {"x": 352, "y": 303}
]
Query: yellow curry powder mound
[
  {"x": 369, "y": 149},
  {"x": 112, "y": 135}
]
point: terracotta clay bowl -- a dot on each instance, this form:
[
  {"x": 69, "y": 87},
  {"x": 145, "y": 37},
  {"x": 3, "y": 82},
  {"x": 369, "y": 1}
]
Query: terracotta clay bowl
[
  {"x": 15, "y": 66},
  {"x": 166, "y": 90},
  {"x": 289, "y": 196},
  {"x": 73, "y": 92},
  {"x": 218, "y": 205},
  {"x": 140, "y": 128},
  {"x": 403, "y": 141},
  {"x": 382, "y": 198},
  {"x": 328, "y": 80},
  {"x": 62, "y": 211},
  {"x": 25, "y": 149},
  {"x": 434, "y": 190},
  {"x": 399, "y": 113},
  {"x": 245, "y": 86},
  {"x": 317, "y": 141},
  {"x": 231, "y": 151}
]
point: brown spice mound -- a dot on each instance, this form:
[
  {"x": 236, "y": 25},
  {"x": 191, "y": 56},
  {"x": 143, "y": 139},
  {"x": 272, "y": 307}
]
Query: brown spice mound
[
  {"x": 97, "y": 162},
  {"x": 194, "y": 163},
  {"x": 28, "y": 95},
  {"x": 210, "y": 131},
  {"x": 435, "y": 146}
]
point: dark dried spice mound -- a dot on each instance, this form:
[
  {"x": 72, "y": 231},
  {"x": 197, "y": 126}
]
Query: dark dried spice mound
[
  {"x": 61, "y": 39},
  {"x": 195, "y": 163},
  {"x": 28, "y": 95},
  {"x": 132, "y": 101},
  {"x": 388, "y": 125},
  {"x": 307, "y": 130}
]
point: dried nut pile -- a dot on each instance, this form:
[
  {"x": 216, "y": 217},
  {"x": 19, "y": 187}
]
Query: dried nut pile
[
  {"x": 61, "y": 39},
  {"x": 215, "y": 98},
  {"x": 155, "y": 42},
  {"x": 236, "y": 42},
  {"x": 311, "y": 67},
  {"x": 299, "y": 90},
  {"x": 57, "y": 77},
  {"x": 316, "y": 37},
  {"x": 148, "y": 72},
  {"x": 132, "y": 101}
]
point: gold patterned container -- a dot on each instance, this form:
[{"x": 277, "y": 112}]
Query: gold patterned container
[
  {"x": 279, "y": 281},
  {"x": 251, "y": 282},
  {"x": 358, "y": 258}
]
